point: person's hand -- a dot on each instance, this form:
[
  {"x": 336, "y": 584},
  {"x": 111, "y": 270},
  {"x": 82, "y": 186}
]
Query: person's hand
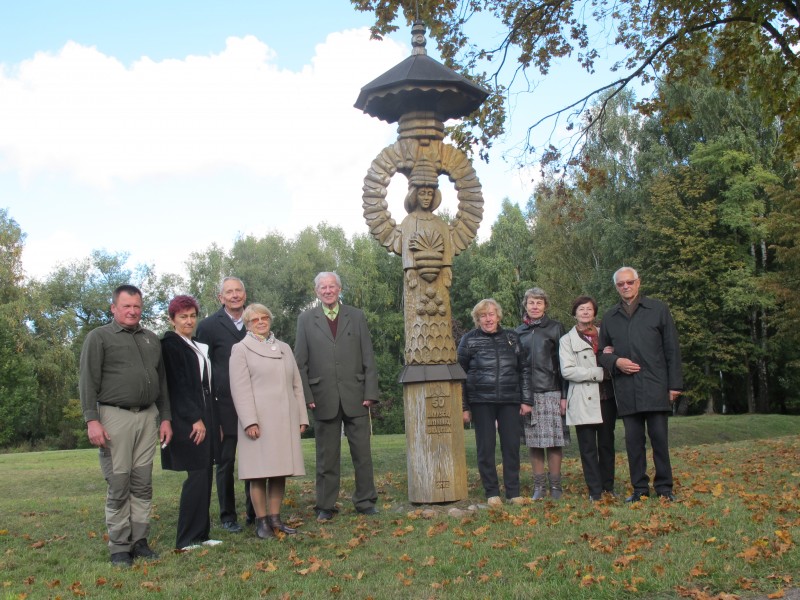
[
  {"x": 253, "y": 432},
  {"x": 525, "y": 409},
  {"x": 165, "y": 432},
  {"x": 674, "y": 395},
  {"x": 198, "y": 433},
  {"x": 303, "y": 428},
  {"x": 368, "y": 403},
  {"x": 98, "y": 436},
  {"x": 467, "y": 416},
  {"x": 627, "y": 366},
  {"x": 312, "y": 405},
  {"x": 608, "y": 350},
  {"x": 563, "y": 406}
]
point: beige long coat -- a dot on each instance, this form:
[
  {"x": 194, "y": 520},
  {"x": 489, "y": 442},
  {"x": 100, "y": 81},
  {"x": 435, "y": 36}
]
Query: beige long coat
[
  {"x": 267, "y": 391},
  {"x": 579, "y": 367}
]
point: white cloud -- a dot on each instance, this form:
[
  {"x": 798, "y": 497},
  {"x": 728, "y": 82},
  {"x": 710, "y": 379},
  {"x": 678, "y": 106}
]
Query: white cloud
[
  {"x": 285, "y": 147},
  {"x": 88, "y": 114}
]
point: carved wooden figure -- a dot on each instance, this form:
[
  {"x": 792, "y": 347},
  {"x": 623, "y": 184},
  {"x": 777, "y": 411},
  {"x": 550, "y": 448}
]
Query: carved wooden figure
[{"x": 420, "y": 94}]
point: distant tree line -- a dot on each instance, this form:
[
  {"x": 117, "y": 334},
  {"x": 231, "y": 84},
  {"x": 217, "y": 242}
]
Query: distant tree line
[{"x": 695, "y": 195}]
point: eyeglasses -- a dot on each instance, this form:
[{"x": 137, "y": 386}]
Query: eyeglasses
[
  {"x": 627, "y": 282},
  {"x": 263, "y": 318}
]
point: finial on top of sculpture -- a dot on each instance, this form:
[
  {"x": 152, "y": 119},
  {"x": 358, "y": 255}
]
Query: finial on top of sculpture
[{"x": 418, "y": 38}]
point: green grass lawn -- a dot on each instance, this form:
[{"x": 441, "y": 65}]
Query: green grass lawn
[{"x": 733, "y": 530}]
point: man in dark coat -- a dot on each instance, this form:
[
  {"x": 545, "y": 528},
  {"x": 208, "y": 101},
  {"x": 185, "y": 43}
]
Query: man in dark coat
[
  {"x": 640, "y": 348},
  {"x": 334, "y": 353},
  {"x": 221, "y": 331}
]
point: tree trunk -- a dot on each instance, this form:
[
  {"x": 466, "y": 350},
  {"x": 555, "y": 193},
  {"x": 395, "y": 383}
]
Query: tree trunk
[
  {"x": 763, "y": 376},
  {"x": 710, "y": 397}
]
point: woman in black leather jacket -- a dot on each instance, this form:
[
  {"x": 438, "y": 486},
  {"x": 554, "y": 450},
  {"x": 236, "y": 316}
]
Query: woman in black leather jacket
[
  {"x": 496, "y": 393},
  {"x": 544, "y": 429}
]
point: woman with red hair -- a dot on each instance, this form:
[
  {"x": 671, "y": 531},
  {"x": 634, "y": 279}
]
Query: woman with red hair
[{"x": 196, "y": 433}]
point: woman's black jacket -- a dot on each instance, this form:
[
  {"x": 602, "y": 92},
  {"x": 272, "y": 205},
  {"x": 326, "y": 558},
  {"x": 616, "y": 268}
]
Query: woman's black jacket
[
  {"x": 497, "y": 367},
  {"x": 541, "y": 342}
]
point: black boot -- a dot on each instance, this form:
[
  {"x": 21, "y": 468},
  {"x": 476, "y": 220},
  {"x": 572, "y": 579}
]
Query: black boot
[
  {"x": 275, "y": 523},
  {"x": 263, "y": 530}
]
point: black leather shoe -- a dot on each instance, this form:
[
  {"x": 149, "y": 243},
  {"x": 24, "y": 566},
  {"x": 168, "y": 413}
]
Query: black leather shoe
[
  {"x": 250, "y": 520},
  {"x": 324, "y": 515},
  {"x": 231, "y": 527},
  {"x": 370, "y": 510},
  {"x": 636, "y": 497},
  {"x": 122, "y": 559},
  {"x": 669, "y": 496},
  {"x": 142, "y": 550}
]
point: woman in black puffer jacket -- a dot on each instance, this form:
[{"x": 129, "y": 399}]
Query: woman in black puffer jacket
[{"x": 496, "y": 393}]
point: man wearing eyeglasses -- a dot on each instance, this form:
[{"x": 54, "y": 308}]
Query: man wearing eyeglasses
[{"x": 640, "y": 348}]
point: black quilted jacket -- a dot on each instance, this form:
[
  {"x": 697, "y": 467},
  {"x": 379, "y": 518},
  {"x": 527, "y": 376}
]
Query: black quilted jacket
[{"x": 497, "y": 367}]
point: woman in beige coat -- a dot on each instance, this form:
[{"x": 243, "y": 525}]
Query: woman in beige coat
[
  {"x": 268, "y": 394},
  {"x": 590, "y": 399}
]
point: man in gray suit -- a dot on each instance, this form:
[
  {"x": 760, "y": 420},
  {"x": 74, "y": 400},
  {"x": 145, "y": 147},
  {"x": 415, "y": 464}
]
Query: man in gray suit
[{"x": 334, "y": 353}]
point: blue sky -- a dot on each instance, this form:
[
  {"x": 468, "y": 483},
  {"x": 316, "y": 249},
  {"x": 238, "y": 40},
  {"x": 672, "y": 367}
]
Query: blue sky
[{"x": 159, "y": 128}]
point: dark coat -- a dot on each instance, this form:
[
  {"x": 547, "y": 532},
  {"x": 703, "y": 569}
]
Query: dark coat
[
  {"x": 189, "y": 405},
  {"x": 542, "y": 344},
  {"x": 219, "y": 332},
  {"x": 497, "y": 367},
  {"x": 650, "y": 339},
  {"x": 339, "y": 371}
]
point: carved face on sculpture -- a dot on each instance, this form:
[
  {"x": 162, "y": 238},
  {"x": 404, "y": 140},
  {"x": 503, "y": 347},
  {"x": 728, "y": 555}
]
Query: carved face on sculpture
[{"x": 425, "y": 197}]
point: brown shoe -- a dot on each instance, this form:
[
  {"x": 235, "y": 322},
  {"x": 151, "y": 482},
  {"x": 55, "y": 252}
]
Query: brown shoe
[{"x": 275, "y": 523}]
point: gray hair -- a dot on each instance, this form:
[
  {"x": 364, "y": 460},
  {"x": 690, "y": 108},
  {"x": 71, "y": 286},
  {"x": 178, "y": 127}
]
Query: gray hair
[
  {"x": 536, "y": 292},
  {"x": 226, "y": 279},
  {"x": 255, "y": 309},
  {"x": 620, "y": 270},
  {"x": 323, "y": 275}
]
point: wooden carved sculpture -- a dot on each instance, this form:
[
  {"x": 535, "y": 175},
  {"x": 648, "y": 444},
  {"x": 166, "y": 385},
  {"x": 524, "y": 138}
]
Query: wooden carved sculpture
[{"x": 426, "y": 242}]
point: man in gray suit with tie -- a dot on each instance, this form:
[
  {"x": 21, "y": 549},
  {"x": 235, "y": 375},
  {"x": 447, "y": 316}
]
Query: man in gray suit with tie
[{"x": 334, "y": 353}]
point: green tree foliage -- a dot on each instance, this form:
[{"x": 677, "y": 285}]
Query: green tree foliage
[
  {"x": 685, "y": 196},
  {"x": 784, "y": 282},
  {"x": 753, "y": 41},
  {"x": 502, "y": 268},
  {"x": 12, "y": 241},
  {"x": 206, "y": 271},
  {"x": 76, "y": 297},
  {"x": 42, "y": 328},
  {"x": 279, "y": 273},
  {"x": 35, "y": 366},
  {"x": 585, "y": 228}
]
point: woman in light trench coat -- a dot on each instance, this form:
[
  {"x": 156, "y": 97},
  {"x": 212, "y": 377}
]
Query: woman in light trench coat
[
  {"x": 590, "y": 399},
  {"x": 268, "y": 394}
]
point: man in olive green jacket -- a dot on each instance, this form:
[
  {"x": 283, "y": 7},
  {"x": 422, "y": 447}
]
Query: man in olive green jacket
[{"x": 124, "y": 396}]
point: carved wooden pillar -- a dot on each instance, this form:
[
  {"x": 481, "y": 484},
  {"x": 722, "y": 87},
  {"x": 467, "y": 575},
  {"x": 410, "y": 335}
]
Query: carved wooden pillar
[
  {"x": 437, "y": 470},
  {"x": 420, "y": 94}
]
